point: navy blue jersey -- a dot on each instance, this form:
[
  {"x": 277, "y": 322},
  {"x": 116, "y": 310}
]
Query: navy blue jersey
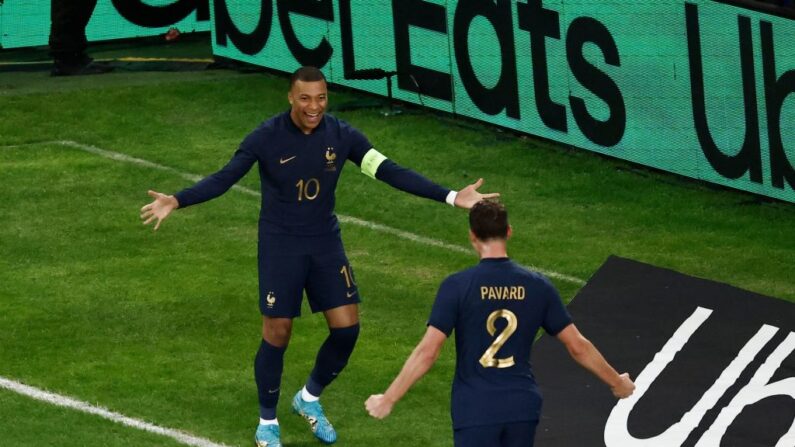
[
  {"x": 496, "y": 309},
  {"x": 299, "y": 174}
]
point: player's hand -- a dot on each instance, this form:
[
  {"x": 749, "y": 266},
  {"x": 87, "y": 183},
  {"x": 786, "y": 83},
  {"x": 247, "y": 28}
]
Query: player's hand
[
  {"x": 469, "y": 196},
  {"x": 624, "y": 388},
  {"x": 378, "y": 406},
  {"x": 159, "y": 209}
]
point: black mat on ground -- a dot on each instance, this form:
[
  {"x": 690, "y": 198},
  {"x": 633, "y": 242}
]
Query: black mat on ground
[{"x": 728, "y": 364}]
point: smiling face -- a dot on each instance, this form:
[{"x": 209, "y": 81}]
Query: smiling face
[{"x": 308, "y": 102}]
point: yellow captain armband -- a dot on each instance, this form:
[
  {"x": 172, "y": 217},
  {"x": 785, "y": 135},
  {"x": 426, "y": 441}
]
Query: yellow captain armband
[{"x": 371, "y": 161}]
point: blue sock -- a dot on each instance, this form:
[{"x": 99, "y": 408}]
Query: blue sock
[
  {"x": 332, "y": 357},
  {"x": 268, "y": 366}
]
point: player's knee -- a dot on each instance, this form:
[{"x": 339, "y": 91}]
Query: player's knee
[
  {"x": 345, "y": 335},
  {"x": 344, "y": 340},
  {"x": 334, "y": 354},
  {"x": 277, "y": 331}
]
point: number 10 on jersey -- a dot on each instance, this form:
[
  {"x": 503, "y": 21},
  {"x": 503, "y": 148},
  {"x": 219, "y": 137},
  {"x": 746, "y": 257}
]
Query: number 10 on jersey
[
  {"x": 308, "y": 189},
  {"x": 345, "y": 271}
]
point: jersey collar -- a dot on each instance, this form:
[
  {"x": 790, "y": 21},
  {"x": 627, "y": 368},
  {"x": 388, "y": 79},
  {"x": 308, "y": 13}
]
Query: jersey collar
[{"x": 494, "y": 260}]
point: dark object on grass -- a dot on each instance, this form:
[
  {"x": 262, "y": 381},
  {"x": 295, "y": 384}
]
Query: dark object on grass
[{"x": 79, "y": 67}]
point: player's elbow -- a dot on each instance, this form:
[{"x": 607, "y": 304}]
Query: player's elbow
[
  {"x": 576, "y": 344},
  {"x": 579, "y": 348},
  {"x": 427, "y": 355}
]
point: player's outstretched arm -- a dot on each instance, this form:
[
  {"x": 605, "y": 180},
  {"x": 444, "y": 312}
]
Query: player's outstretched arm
[
  {"x": 419, "y": 362},
  {"x": 159, "y": 208},
  {"x": 585, "y": 353},
  {"x": 376, "y": 165},
  {"x": 469, "y": 196}
]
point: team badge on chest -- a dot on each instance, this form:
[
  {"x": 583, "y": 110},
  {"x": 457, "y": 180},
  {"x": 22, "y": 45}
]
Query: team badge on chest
[{"x": 331, "y": 165}]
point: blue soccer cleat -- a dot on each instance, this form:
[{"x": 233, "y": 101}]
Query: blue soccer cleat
[
  {"x": 267, "y": 436},
  {"x": 313, "y": 412}
]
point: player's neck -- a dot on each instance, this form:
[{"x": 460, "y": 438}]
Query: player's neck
[{"x": 492, "y": 249}]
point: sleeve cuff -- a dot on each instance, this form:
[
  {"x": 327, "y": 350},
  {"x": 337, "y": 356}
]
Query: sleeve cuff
[{"x": 451, "y": 198}]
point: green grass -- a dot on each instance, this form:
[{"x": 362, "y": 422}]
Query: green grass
[
  {"x": 24, "y": 419},
  {"x": 164, "y": 326}
]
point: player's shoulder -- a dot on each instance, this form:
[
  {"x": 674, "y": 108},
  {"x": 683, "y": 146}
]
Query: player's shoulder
[
  {"x": 275, "y": 123},
  {"x": 335, "y": 122},
  {"x": 460, "y": 278},
  {"x": 531, "y": 277},
  {"x": 454, "y": 286},
  {"x": 540, "y": 284},
  {"x": 266, "y": 129},
  {"x": 268, "y": 133},
  {"x": 343, "y": 128},
  {"x": 466, "y": 273}
]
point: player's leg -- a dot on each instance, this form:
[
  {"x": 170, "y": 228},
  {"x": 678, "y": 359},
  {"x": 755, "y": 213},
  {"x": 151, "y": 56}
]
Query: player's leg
[
  {"x": 268, "y": 367},
  {"x": 519, "y": 434},
  {"x": 478, "y": 436},
  {"x": 269, "y": 364},
  {"x": 281, "y": 281},
  {"x": 333, "y": 356},
  {"x": 331, "y": 289},
  {"x": 330, "y": 361}
]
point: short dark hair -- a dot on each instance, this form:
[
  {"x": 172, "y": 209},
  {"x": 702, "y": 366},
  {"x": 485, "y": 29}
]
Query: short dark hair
[
  {"x": 306, "y": 74},
  {"x": 488, "y": 219}
]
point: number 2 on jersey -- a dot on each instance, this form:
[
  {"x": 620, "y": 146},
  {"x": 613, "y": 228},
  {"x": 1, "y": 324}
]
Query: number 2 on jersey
[{"x": 488, "y": 360}]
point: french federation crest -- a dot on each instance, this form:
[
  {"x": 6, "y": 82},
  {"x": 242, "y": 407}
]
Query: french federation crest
[
  {"x": 270, "y": 300},
  {"x": 331, "y": 156}
]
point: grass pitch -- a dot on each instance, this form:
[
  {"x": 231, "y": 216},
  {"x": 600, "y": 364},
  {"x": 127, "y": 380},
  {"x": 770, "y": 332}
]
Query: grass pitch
[{"x": 164, "y": 326}]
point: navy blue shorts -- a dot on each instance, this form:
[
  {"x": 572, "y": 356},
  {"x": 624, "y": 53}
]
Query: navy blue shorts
[
  {"x": 290, "y": 265},
  {"x": 513, "y": 434}
]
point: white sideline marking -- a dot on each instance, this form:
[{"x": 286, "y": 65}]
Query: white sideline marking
[
  {"x": 118, "y": 156},
  {"x": 68, "y": 402}
]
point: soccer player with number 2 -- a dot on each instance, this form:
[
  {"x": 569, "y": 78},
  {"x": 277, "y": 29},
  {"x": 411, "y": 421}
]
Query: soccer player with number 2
[
  {"x": 300, "y": 154},
  {"x": 495, "y": 308}
]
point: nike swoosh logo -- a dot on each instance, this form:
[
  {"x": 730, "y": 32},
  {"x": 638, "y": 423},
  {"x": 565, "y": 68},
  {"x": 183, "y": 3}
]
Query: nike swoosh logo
[
  {"x": 273, "y": 391},
  {"x": 350, "y": 294},
  {"x": 285, "y": 160}
]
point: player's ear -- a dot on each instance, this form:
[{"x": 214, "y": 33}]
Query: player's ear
[
  {"x": 472, "y": 238},
  {"x": 290, "y": 97},
  {"x": 509, "y": 233}
]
